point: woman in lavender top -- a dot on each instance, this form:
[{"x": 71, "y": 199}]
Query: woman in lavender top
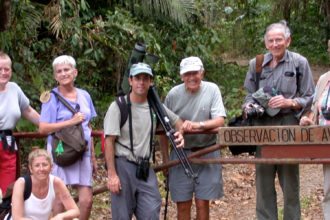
[{"x": 55, "y": 116}]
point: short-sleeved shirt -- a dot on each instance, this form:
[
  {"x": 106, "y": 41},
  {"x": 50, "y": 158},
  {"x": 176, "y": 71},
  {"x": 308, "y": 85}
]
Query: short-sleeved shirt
[
  {"x": 141, "y": 125},
  {"x": 283, "y": 79},
  {"x": 13, "y": 102},
  {"x": 203, "y": 105},
  {"x": 54, "y": 111}
]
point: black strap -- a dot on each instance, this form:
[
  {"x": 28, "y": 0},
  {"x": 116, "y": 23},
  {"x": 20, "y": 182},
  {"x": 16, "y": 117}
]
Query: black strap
[
  {"x": 129, "y": 105},
  {"x": 121, "y": 102},
  {"x": 64, "y": 102},
  {"x": 298, "y": 73},
  {"x": 27, "y": 187},
  {"x": 151, "y": 134},
  {"x": 27, "y": 191},
  {"x": 259, "y": 61},
  {"x": 325, "y": 106},
  {"x": 297, "y": 79}
]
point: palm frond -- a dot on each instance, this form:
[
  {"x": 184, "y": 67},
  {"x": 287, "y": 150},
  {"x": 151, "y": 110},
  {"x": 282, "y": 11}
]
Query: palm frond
[{"x": 177, "y": 10}]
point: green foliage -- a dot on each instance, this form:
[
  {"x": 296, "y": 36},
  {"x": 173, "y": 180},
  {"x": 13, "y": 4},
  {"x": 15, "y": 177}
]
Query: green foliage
[
  {"x": 305, "y": 202},
  {"x": 230, "y": 79}
]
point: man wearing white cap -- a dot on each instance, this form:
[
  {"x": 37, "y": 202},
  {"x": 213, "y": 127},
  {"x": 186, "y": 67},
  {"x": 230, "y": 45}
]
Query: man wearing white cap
[
  {"x": 199, "y": 104},
  {"x": 133, "y": 186}
]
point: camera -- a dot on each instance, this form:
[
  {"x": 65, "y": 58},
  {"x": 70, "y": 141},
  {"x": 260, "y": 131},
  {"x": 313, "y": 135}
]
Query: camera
[
  {"x": 142, "y": 169},
  {"x": 254, "y": 110},
  {"x": 325, "y": 112},
  {"x": 138, "y": 54},
  {"x": 325, "y": 109}
]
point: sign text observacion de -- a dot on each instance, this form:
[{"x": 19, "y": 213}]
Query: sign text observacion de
[{"x": 274, "y": 135}]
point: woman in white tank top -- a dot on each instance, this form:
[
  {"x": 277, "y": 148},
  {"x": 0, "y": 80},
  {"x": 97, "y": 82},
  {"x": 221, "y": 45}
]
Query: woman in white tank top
[{"x": 45, "y": 188}]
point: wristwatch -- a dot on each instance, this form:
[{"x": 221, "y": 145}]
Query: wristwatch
[{"x": 201, "y": 125}]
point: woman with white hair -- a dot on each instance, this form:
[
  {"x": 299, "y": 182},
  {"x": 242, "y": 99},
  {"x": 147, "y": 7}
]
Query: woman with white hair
[{"x": 56, "y": 116}]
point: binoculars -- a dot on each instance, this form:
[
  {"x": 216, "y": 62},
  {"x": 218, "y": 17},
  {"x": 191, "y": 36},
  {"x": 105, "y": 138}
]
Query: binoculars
[
  {"x": 142, "y": 169},
  {"x": 254, "y": 111}
]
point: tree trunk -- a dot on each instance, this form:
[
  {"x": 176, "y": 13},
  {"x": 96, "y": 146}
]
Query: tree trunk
[
  {"x": 327, "y": 10},
  {"x": 287, "y": 10},
  {"x": 5, "y": 9}
]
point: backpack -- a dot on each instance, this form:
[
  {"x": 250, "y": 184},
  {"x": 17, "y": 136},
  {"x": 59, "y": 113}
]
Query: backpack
[
  {"x": 122, "y": 104},
  {"x": 5, "y": 206}
]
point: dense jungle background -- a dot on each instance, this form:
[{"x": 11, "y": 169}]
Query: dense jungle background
[{"x": 101, "y": 34}]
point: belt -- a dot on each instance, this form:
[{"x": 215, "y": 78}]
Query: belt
[
  {"x": 6, "y": 132},
  {"x": 123, "y": 157},
  {"x": 194, "y": 149}
]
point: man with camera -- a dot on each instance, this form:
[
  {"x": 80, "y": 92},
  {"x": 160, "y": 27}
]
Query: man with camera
[
  {"x": 199, "y": 104},
  {"x": 128, "y": 149},
  {"x": 286, "y": 90}
]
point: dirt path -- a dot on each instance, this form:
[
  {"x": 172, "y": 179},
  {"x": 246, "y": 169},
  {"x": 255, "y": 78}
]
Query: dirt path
[{"x": 238, "y": 202}]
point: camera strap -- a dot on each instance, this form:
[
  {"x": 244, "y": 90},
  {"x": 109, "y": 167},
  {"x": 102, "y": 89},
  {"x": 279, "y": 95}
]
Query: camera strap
[
  {"x": 325, "y": 106},
  {"x": 64, "y": 102},
  {"x": 298, "y": 73},
  {"x": 129, "y": 105},
  {"x": 259, "y": 61}
]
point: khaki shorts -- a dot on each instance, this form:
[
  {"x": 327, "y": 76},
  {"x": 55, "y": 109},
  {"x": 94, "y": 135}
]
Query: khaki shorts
[{"x": 210, "y": 184}]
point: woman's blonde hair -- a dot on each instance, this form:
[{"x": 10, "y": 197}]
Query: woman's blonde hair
[
  {"x": 37, "y": 152},
  {"x": 5, "y": 56}
]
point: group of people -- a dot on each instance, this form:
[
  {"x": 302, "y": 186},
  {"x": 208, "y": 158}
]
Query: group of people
[
  {"x": 49, "y": 196},
  {"x": 193, "y": 106}
]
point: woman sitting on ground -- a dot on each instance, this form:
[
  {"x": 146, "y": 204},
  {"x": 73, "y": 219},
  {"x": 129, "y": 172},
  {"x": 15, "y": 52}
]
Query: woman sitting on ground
[{"x": 45, "y": 188}]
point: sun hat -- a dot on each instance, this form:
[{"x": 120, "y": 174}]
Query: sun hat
[
  {"x": 190, "y": 64},
  {"x": 139, "y": 68},
  {"x": 262, "y": 96}
]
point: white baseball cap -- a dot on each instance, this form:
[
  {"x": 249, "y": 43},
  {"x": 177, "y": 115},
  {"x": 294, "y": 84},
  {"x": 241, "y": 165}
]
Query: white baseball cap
[
  {"x": 139, "y": 68},
  {"x": 190, "y": 64}
]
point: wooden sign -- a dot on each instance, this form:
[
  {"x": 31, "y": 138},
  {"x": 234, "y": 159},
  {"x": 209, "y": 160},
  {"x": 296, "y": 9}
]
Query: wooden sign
[{"x": 275, "y": 135}]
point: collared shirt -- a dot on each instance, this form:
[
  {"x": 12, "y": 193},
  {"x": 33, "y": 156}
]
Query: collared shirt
[{"x": 283, "y": 79}]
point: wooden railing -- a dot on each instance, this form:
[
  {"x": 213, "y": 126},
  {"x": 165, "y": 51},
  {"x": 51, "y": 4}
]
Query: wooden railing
[{"x": 280, "y": 144}]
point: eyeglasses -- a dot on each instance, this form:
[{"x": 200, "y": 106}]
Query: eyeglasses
[{"x": 275, "y": 41}]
